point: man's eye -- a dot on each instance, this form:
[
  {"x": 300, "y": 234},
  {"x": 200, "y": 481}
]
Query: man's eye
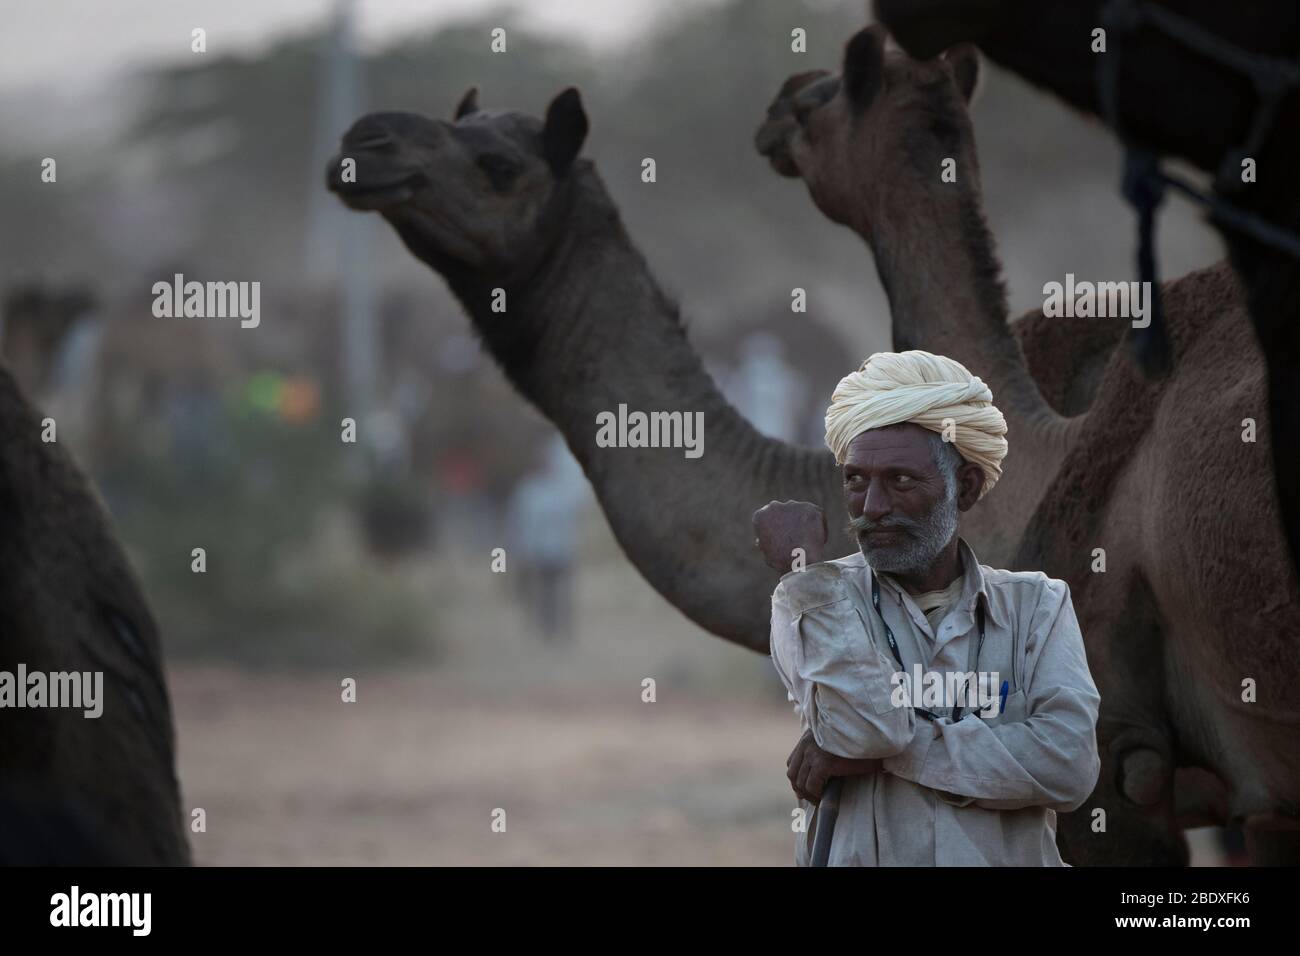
[
  {"x": 500, "y": 170},
  {"x": 904, "y": 480}
]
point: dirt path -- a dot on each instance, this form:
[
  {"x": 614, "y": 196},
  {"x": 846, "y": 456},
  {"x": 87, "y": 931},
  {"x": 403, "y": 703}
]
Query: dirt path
[{"x": 411, "y": 773}]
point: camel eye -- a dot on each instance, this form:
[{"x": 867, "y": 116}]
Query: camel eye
[{"x": 501, "y": 172}]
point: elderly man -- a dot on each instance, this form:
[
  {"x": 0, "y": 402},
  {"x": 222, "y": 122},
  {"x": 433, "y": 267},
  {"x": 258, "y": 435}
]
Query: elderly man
[{"x": 971, "y": 767}]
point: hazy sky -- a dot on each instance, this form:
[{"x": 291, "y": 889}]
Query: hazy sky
[{"x": 80, "y": 41}]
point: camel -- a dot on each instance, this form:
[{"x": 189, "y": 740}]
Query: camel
[
  {"x": 1174, "y": 623},
  {"x": 1177, "y": 101},
  {"x": 497, "y": 199},
  {"x": 69, "y": 602}
]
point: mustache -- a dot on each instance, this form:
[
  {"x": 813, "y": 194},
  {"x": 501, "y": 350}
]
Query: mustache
[{"x": 862, "y": 525}]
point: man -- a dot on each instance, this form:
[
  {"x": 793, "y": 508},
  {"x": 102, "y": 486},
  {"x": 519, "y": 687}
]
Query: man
[{"x": 971, "y": 768}]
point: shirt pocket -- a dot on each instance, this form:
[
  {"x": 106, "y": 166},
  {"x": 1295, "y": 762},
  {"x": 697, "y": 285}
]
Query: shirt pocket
[
  {"x": 1015, "y": 711},
  {"x": 840, "y": 653}
]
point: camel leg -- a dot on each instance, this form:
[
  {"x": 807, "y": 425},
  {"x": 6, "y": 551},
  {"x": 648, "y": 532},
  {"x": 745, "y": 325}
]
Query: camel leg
[
  {"x": 1113, "y": 828},
  {"x": 1138, "y": 824},
  {"x": 1200, "y": 798}
]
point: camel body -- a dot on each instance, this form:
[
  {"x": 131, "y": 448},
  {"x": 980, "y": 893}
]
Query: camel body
[
  {"x": 70, "y": 603},
  {"x": 1177, "y": 101},
  {"x": 1196, "y": 595}
]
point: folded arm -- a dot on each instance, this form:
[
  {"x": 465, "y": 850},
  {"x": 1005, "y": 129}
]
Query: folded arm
[
  {"x": 1050, "y": 758},
  {"x": 833, "y": 669}
]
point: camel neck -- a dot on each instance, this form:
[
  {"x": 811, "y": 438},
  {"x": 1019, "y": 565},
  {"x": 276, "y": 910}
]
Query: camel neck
[
  {"x": 945, "y": 287},
  {"x": 591, "y": 330},
  {"x": 937, "y": 262},
  {"x": 590, "y": 335}
]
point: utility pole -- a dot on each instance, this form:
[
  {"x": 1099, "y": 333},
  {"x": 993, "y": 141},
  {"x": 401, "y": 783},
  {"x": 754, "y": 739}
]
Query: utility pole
[{"x": 339, "y": 246}]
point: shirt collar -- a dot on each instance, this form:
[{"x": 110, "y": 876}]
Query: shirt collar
[
  {"x": 977, "y": 587},
  {"x": 974, "y": 587}
]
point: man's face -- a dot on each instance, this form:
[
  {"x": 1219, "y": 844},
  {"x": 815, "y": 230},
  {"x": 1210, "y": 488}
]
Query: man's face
[{"x": 900, "y": 508}]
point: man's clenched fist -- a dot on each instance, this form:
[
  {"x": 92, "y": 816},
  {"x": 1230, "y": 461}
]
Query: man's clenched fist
[{"x": 782, "y": 526}]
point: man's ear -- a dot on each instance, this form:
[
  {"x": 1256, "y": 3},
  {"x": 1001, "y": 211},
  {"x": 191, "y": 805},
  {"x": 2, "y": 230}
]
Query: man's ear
[
  {"x": 970, "y": 482},
  {"x": 966, "y": 69},
  {"x": 864, "y": 67},
  {"x": 468, "y": 103},
  {"x": 566, "y": 130}
]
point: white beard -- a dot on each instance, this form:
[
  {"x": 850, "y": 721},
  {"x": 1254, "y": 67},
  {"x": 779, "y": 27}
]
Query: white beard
[{"x": 926, "y": 539}]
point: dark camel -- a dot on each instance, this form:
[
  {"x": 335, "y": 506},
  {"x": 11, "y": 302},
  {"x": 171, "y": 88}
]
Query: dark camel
[
  {"x": 69, "y": 602},
  {"x": 1173, "y": 625},
  {"x": 1180, "y": 103},
  {"x": 498, "y": 199}
]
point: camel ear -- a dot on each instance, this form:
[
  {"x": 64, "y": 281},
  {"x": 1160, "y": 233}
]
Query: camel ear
[
  {"x": 468, "y": 103},
  {"x": 566, "y": 130},
  {"x": 965, "y": 62},
  {"x": 864, "y": 66},
  {"x": 925, "y": 28}
]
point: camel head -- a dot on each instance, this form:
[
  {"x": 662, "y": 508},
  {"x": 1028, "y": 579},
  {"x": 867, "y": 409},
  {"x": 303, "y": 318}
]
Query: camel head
[
  {"x": 474, "y": 195},
  {"x": 885, "y": 120}
]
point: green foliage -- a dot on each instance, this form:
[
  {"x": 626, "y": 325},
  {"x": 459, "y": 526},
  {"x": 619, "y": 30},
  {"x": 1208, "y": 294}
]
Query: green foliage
[{"x": 287, "y": 580}]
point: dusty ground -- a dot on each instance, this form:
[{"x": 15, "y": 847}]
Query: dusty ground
[
  {"x": 412, "y": 772},
  {"x": 557, "y": 736}
]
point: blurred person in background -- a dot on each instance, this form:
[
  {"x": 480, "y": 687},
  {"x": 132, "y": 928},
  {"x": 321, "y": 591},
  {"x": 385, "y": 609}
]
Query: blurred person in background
[
  {"x": 766, "y": 388},
  {"x": 543, "y": 517}
]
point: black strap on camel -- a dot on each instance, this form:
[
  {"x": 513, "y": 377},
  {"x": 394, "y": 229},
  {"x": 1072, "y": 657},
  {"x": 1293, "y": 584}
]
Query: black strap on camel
[{"x": 1144, "y": 182}]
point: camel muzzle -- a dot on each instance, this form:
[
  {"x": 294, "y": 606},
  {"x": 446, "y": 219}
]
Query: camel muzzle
[{"x": 365, "y": 193}]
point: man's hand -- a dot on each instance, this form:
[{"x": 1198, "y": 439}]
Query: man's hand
[
  {"x": 809, "y": 767},
  {"x": 782, "y": 526}
]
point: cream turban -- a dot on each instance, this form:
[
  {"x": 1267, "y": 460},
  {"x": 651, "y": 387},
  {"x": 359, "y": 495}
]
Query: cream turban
[{"x": 891, "y": 388}]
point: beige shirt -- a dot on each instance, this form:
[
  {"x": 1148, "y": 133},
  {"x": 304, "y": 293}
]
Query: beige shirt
[
  {"x": 983, "y": 790},
  {"x": 934, "y": 604}
]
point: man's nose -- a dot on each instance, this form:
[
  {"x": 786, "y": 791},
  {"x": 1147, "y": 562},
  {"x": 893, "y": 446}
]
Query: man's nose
[{"x": 876, "y": 503}]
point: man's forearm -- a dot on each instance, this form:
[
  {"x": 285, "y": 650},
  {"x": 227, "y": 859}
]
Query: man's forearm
[
  {"x": 848, "y": 767},
  {"x": 833, "y": 669}
]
